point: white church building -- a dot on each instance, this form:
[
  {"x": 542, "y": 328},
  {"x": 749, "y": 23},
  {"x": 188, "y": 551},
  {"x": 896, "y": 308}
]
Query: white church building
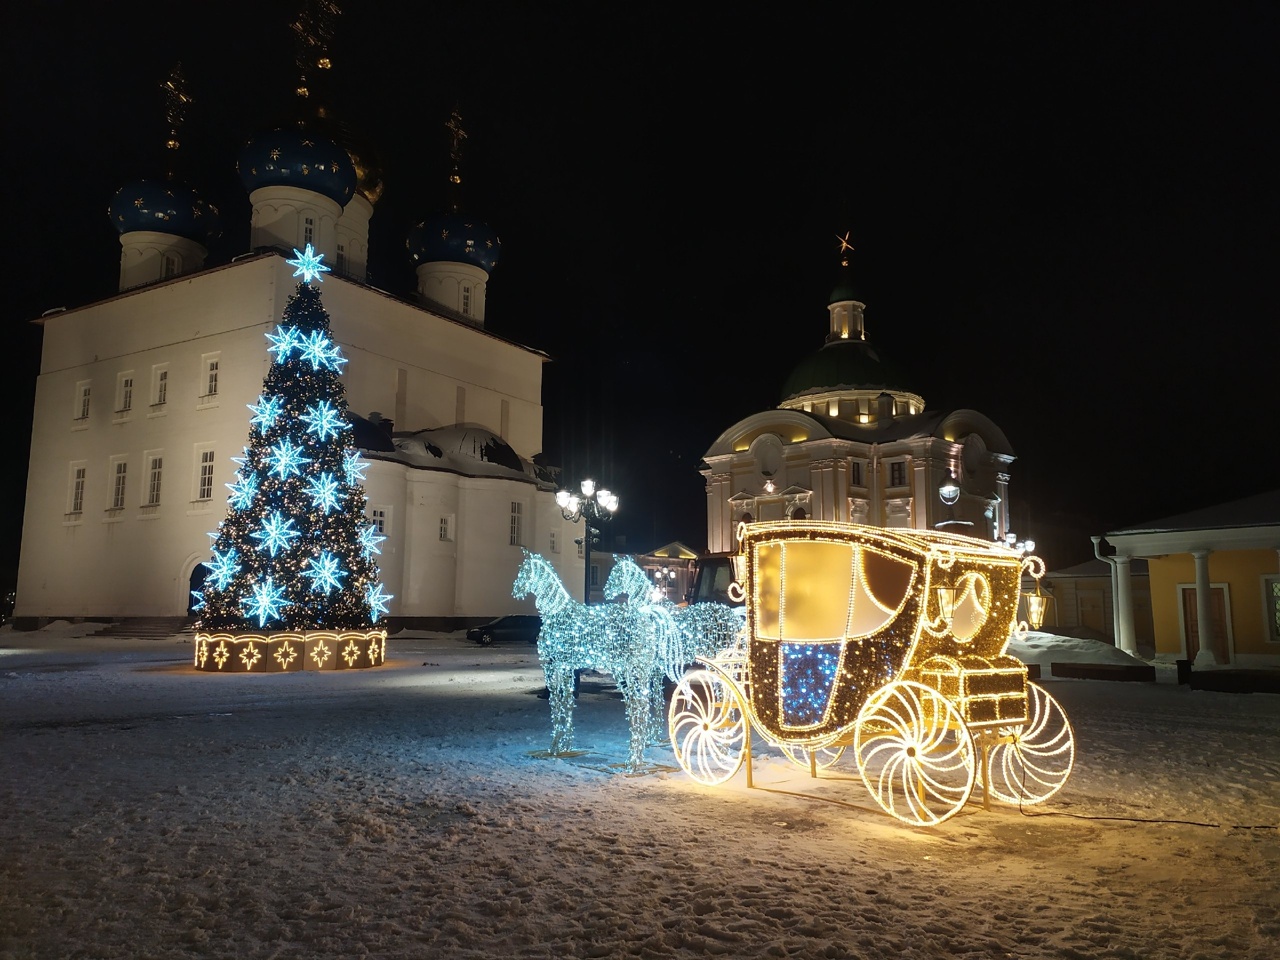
[{"x": 141, "y": 401}]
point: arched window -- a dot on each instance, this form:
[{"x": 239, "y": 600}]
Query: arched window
[{"x": 798, "y": 514}]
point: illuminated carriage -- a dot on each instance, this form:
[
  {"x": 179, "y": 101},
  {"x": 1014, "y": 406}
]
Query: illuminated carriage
[{"x": 888, "y": 642}]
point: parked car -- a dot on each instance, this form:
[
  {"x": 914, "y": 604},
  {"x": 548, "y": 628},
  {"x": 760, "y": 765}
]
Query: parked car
[{"x": 515, "y": 626}]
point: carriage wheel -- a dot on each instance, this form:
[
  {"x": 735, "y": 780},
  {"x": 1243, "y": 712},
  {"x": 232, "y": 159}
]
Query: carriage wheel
[
  {"x": 823, "y": 757},
  {"x": 915, "y": 753},
  {"x": 1034, "y": 760},
  {"x": 708, "y": 729}
]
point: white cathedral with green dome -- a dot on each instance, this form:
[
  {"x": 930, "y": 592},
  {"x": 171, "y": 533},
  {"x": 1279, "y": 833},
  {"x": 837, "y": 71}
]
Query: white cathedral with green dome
[{"x": 851, "y": 441}]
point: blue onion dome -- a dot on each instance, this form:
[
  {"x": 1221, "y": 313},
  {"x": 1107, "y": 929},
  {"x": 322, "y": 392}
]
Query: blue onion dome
[
  {"x": 298, "y": 156},
  {"x": 165, "y": 206},
  {"x": 843, "y": 364},
  {"x": 454, "y": 238}
]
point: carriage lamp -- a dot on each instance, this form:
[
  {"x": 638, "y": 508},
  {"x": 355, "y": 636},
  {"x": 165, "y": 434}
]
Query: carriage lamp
[
  {"x": 946, "y": 597},
  {"x": 1037, "y": 606}
]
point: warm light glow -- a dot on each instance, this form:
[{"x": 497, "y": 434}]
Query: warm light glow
[
  {"x": 889, "y": 641},
  {"x": 289, "y": 651}
]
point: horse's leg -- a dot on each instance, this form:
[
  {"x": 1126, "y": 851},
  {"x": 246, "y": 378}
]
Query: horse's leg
[
  {"x": 636, "y": 693},
  {"x": 656, "y": 733},
  {"x": 560, "y": 690}
]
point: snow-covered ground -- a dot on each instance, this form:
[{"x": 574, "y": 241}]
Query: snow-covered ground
[{"x": 147, "y": 811}]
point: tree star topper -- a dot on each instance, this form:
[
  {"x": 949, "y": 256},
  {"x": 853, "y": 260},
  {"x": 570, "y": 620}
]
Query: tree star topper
[{"x": 308, "y": 264}]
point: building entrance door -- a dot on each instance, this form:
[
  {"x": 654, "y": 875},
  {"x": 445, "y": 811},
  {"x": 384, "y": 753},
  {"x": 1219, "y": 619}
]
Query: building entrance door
[{"x": 1217, "y": 619}]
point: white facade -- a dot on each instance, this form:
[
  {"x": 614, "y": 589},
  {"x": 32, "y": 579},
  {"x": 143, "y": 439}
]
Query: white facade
[
  {"x": 851, "y": 444},
  {"x": 141, "y": 404}
]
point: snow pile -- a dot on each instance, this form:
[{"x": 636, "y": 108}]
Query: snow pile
[
  {"x": 401, "y": 812},
  {"x": 1047, "y": 648}
]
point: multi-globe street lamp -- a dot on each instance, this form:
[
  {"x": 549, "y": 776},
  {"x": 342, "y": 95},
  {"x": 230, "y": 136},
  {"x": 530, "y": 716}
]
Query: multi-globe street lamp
[{"x": 596, "y": 506}]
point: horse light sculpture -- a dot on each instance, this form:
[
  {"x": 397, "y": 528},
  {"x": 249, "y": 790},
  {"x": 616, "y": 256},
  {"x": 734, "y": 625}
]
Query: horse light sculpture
[{"x": 636, "y": 642}]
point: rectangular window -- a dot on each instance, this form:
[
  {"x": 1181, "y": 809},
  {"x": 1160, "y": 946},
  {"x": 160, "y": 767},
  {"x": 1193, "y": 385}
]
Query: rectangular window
[
  {"x": 342, "y": 259},
  {"x": 79, "y": 472},
  {"x": 204, "y": 488},
  {"x": 446, "y": 527},
  {"x": 159, "y": 385},
  {"x": 517, "y": 523},
  {"x": 124, "y": 402},
  {"x": 308, "y": 230},
  {"x": 83, "y": 390},
  {"x": 1271, "y": 597},
  {"x": 119, "y": 473},
  {"x": 170, "y": 267},
  {"x": 379, "y": 517},
  {"x": 855, "y": 473},
  {"x": 211, "y": 376},
  {"x": 580, "y": 550},
  {"x": 466, "y": 300},
  {"x": 155, "y": 467},
  {"x": 898, "y": 474},
  {"x": 555, "y": 542}
]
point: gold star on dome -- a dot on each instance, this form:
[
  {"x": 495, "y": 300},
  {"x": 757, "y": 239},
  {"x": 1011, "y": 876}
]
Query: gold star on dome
[{"x": 275, "y": 153}]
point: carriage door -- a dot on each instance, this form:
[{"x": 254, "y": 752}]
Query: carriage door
[{"x": 1217, "y": 617}]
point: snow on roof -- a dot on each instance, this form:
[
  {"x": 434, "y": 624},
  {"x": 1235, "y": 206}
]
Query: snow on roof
[{"x": 1261, "y": 510}]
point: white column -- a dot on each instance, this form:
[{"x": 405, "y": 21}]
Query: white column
[
  {"x": 1125, "y": 638},
  {"x": 1204, "y": 622}
]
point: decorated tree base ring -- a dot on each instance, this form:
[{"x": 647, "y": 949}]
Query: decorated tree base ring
[{"x": 291, "y": 651}]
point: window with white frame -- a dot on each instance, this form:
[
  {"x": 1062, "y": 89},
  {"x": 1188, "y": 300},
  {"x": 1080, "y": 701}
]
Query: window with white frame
[
  {"x": 581, "y": 552},
  {"x": 554, "y": 545},
  {"x": 209, "y": 363},
  {"x": 119, "y": 474},
  {"x": 855, "y": 473},
  {"x": 170, "y": 267},
  {"x": 124, "y": 392},
  {"x": 75, "y": 498},
  {"x": 159, "y": 385},
  {"x": 84, "y": 390},
  {"x": 446, "y": 527},
  {"x": 1271, "y": 601},
  {"x": 898, "y": 473},
  {"x": 466, "y": 300},
  {"x": 155, "y": 473},
  {"x": 379, "y": 517},
  {"x": 517, "y": 523},
  {"x": 308, "y": 230},
  {"x": 204, "y": 478}
]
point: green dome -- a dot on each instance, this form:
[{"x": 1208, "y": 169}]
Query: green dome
[{"x": 843, "y": 364}]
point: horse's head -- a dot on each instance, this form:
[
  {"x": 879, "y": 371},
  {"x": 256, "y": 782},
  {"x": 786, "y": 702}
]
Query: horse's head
[
  {"x": 627, "y": 577},
  {"x": 522, "y": 586}
]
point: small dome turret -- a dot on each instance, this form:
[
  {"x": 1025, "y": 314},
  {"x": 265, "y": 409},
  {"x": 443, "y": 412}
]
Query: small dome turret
[
  {"x": 164, "y": 206},
  {"x": 298, "y": 156}
]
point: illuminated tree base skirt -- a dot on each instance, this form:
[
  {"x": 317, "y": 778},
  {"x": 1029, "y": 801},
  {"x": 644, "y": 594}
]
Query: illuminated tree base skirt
[{"x": 289, "y": 652}]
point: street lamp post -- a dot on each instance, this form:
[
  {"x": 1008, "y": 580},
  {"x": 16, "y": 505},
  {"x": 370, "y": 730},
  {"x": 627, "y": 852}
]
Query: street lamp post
[{"x": 596, "y": 506}]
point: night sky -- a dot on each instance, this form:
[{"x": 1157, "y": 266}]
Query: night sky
[{"x": 1064, "y": 218}]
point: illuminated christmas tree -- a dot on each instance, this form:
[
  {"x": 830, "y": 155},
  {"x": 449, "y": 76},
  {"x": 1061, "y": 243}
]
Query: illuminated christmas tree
[{"x": 293, "y": 577}]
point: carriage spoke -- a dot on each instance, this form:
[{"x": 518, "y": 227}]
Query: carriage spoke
[
  {"x": 1035, "y": 759},
  {"x": 708, "y": 729}
]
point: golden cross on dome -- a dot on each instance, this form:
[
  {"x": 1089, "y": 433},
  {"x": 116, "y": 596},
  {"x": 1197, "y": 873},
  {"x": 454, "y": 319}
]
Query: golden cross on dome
[
  {"x": 456, "y": 136},
  {"x": 176, "y": 100}
]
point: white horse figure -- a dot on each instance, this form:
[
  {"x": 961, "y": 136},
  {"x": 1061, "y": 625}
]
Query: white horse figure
[
  {"x": 677, "y": 635},
  {"x": 700, "y": 629},
  {"x": 609, "y": 637}
]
